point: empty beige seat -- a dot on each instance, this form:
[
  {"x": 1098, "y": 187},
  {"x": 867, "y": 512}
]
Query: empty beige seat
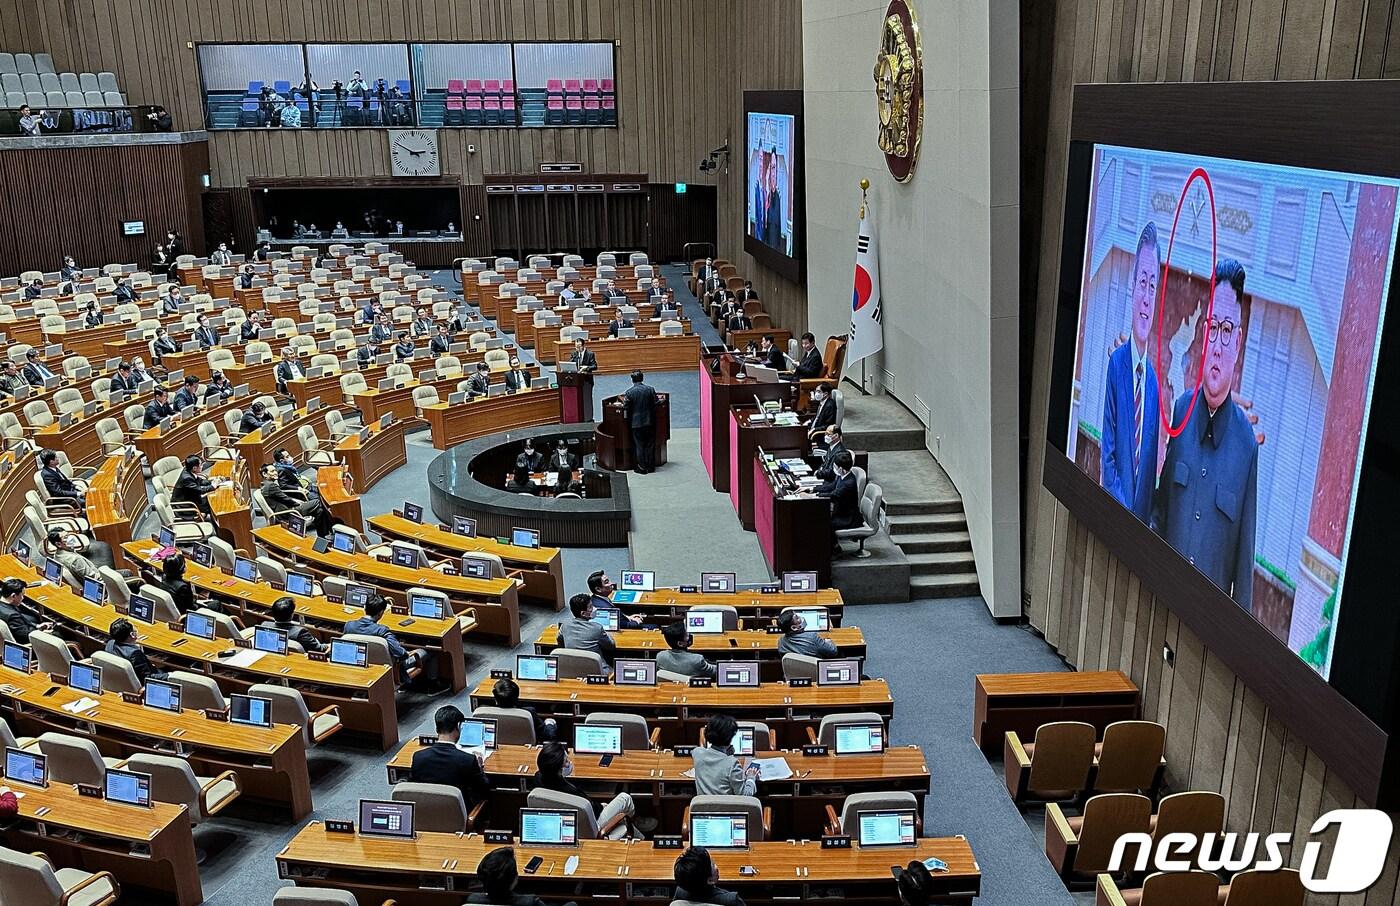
[
  {"x": 437, "y": 807},
  {"x": 117, "y": 673},
  {"x": 313, "y": 896},
  {"x": 575, "y": 663},
  {"x": 800, "y": 666},
  {"x": 826, "y": 729},
  {"x": 288, "y": 707},
  {"x": 197, "y": 691},
  {"x": 175, "y": 782},
  {"x": 760, "y": 817},
  {"x": 636, "y": 736},
  {"x": 514, "y": 726},
  {"x": 856, "y": 803},
  {"x": 73, "y": 759},
  {"x": 51, "y": 653},
  {"x": 31, "y": 880}
]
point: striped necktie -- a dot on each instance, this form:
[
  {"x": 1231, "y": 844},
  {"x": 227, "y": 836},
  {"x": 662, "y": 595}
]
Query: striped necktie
[{"x": 1137, "y": 418}]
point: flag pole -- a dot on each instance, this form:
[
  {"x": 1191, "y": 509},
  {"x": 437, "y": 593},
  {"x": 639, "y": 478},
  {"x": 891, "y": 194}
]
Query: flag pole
[{"x": 864, "y": 189}]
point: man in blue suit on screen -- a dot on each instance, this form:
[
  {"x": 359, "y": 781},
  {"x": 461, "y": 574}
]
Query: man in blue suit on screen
[{"x": 1128, "y": 451}]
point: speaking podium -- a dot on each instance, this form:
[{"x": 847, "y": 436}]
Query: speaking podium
[
  {"x": 576, "y": 396},
  {"x": 613, "y": 436}
]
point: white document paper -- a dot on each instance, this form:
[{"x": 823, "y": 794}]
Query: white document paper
[
  {"x": 81, "y": 705},
  {"x": 246, "y": 657},
  {"x": 773, "y": 768}
]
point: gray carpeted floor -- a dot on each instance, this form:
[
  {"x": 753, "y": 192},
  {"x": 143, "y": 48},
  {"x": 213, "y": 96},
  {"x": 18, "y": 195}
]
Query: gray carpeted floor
[{"x": 685, "y": 528}]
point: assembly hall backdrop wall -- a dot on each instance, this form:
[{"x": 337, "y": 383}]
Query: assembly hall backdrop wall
[
  {"x": 1220, "y": 735},
  {"x": 681, "y": 69}
]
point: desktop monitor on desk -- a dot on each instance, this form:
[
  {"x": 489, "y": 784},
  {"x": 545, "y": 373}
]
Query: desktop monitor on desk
[
  {"x": 94, "y": 591},
  {"x": 87, "y": 677},
  {"x": 839, "y": 672},
  {"x": 343, "y": 542},
  {"x": 637, "y": 580},
  {"x": 715, "y": 831},
  {"x": 428, "y": 607},
  {"x": 163, "y": 695},
  {"x": 300, "y": 584},
  {"x": 245, "y": 569},
  {"x": 127, "y": 787},
  {"x": 249, "y": 710},
  {"x": 638, "y": 672},
  {"x": 523, "y": 537},
  {"x": 25, "y": 767},
  {"x": 737, "y": 674},
  {"x": 413, "y": 512},
  {"x": 816, "y": 619},
  {"x": 202, "y": 553},
  {"x": 548, "y": 827},
  {"x": 743, "y": 741},
  {"x": 704, "y": 622},
  {"x": 717, "y": 583},
  {"x": 358, "y": 595},
  {"x": 407, "y": 557},
  {"x": 379, "y": 818},
  {"x": 537, "y": 667},
  {"x": 476, "y": 567},
  {"x": 53, "y": 571},
  {"x": 199, "y": 625},
  {"x": 610, "y": 618},
  {"x": 349, "y": 653},
  {"x": 597, "y": 739},
  {"x": 886, "y": 827},
  {"x": 141, "y": 608},
  {"x": 477, "y": 733},
  {"x": 17, "y": 656},
  {"x": 270, "y": 640},
  {"x": 796, "y": 582},
  {"x": 464, "y": 526},
  {"x": 860, "y": 739}
]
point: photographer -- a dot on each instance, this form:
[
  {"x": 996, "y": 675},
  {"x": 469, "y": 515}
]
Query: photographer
[{"x": 160, "y": 119}]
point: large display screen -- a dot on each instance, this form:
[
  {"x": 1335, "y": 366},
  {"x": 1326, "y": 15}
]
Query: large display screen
[
  {"x": 771, "y": 139},
  {"x": 1228, "y": 334}
]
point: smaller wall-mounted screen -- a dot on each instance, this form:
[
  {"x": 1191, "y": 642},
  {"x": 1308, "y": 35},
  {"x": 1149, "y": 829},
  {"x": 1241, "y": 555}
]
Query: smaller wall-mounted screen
[
  {"x": 773, "y": 179},
  {"x": 566, "y": 84}
]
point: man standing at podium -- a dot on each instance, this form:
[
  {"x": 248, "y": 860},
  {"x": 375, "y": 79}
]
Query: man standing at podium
[
  {"x": 639, "y": 408},
  {"x": 587, "y": 363}
]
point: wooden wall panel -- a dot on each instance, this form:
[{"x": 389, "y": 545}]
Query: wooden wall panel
[
  {"x": 73, "y": 201},
  {"x": 1220, "y": 735}
]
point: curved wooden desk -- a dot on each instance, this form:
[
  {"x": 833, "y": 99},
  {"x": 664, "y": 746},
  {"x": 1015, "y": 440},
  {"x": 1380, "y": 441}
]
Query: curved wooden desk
[
  {"x": 371, "y": 460},
  {"x": 541, "y": 568},
  {"x": 270, "y": 762},
  {"x": 116, "y": 502},
  {"x": 364, "y": 695},
  {"x": 438, "y": 868},
  {"x": 495, "y": 601},
  {"x": 620, "y": 356},
  {"x": 252, "y": 603},
  {"x": 487, "y": 415},
  {"x": 755, "y": 608},
  {"x": 680, "y": 711}
]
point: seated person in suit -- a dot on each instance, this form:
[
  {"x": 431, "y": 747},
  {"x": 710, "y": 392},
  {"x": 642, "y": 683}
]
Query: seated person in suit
[
  {"x": 534, "y": 459},
  {"x": 840, "y": 489},
  {"x": 187, "y": 395},
  {"x": 738, "y": 321},
  {"x": 172, "y": 581},
  {"x": 772, "y": 356},
  {"x": 622, "y": 320},
  {"x": 162, "y": 345},
  {"x": 824, "y": 411},
  {"x": 506, "y": 694},
  {"x": 499, "y": 876},
  {"x": 696, "y": 875},
  {"x": 245, "y": 279},
  {"x": 122, "y": 292},
  {"x": 833, "y": 444},
  {"x": 171, "y": 301},
  {"x": 441, "y": 343},
  {"x": 561, "y": 460},
  {"x": 517, "y": 378},
  {"x": 612, "y": 295},
  {"x": 124, "y": 380},
  {"x": 254, "y": 418},
  {"x": 717, "y": 771},
  {"x": 281, "y": 499},
  {"x": 35, "y": 289},
  {"x": 10, "y": 379},
  {"x": 423, "y": 323},
  {"x": 192, "y": 487},
  {"x": 57, "y": 484},
  {"x": 798, "y": 639},
  {"x": 367, "y": 352},
  {"x": 479, "y": 384},
  {"x": 139, "y": 371},
  {"x": 679, "y": 658},
  {"x": 121, "y": 642},
  {"x": 555, "y": 766},
  {"x": 570, "y": 295},
  {"x": 218, "y": 389},
  {"x": 205, "y": 334},
  {"x": 92, "y": 315},
  {"x": 158, "y": 408},
  {"x": 601, "y": 588},
  {"x": 658, "y": 289},
  {"x": 809, "y": 365},
  {"x": 519, "y": 481},
  {"x": 403, "y": 348},
  {"x": 284, "y": 611},
  {"x": 67, "y": 549},
  {"x": 582, "y": 634},
  {"x": 288, "y": 369},
  {"x": 16, "y": 616},
  {"x": 249, "y": 329},
  {"x": 34, "y": 370},
  {"x": 381, "y": 332},
  {"x": 368, "y": 624},
  {"x": 442, "y": 762}
]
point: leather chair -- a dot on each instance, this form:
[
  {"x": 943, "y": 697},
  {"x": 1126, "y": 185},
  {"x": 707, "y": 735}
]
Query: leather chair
[
  {"x": 574, "y": 663},
  {"x": 198, "y": 692},
  {"x": 316, "y": 451},
  {"x": 825, "y": 734},
  {"x": 636, "y": 735},
  {"x": 800, "y": 666},
  {"x": 1054, "y": 767},
  {"x": 872, "y": 519},
  {"x": 51, "y": 653},
  {"x": 760, "y": 823},
  {"x": 1130, "y": 759},
  {"x": 117, "y": 673},
  {"x": 288, "y": 707},
  {"x": 437, "y": 807},
  {"x": 856, "y": 803},
  {"x": 378, "y": 652},
  {"x": 1264, "y": 888},
  {"x": 1177, "y": 888},
  {"x": 514, "y": 726},
  {"x": 32, "y": 880},
  {"x": 165, "y": 609},
  {"x": 8, "y": 739},
  {"x": 175, "y": 782},
  {"x": 1081, "y": 847}
]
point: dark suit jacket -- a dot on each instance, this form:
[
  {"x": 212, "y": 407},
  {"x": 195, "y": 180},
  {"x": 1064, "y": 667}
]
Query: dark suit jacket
[
  {"x": 248, "y": 331},
  {"x": 535, "y": 461},
  {"x": 617, "y": 324},
  {"x": 134, "y": 656},
  {"x": 811, "y": 364},
  {"x": 207, "y": 337},
  {"x": 443, "y": 762},
  {"x": 775, "y": 359},
  {"x": 195, "y": 489},
  {"x": 184, "y": 397},
  {"x": 1116, "y": 446},
  {"x": 403, "y": 351},
  {"x": 285, "y": 374},
  {"x": 587, "y": 362},
  {"x": 163, "y": 346},
  {"x": 825, "y": 471},
  {"x": 279, "y": 499},
  {"x": 299, "y": 633},
  {"x": 36, "y": 374},
  {"x": 21, "y": 623},
  {"x": 222, "y": 392},
  {"x": 716, "y": 895},
  {"x": 826, "y": 415},
  {"x": 845, "y": 503},
  {"x": 128, "y": 383},
  {"x": 250, "y": 422},
  {"x": 440, "y": 344},
  {"x": 566, "y": 463},
  {"x": 59, "y": 485},
  {"x": 155, "y": 412},
  {"x": 639, "y": 406},
  {"x": 518, "y": 380}
]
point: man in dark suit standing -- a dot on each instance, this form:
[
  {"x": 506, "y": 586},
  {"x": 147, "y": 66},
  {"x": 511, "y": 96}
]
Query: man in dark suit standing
[
  {"x": 587, "y": 364},
  {"x": 810, "y": 365},
  {"x": 1128, "y": 448},
  {"x": 288, "y": 369},
  {"x": 442, "y": 762},
  {"x": 158, "y": 408},
  {"x": 639, "y": 408},
  {"x": 1205, "y": 503}
]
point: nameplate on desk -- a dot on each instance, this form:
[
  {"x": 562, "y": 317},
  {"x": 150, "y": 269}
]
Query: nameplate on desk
[
  {"x": 501, "y": 674},
  {"x": 91, "y": 792},
  {"x": 131, "y": 698},
  {"x": 426, "y": 741},
  {"x": 215, "y": 714},
  {"x": 497, "y": 836},
  {"x": 799, "y": 682},
  {"x": 688, "y": 589},
  {"x": 773, "y": 630},
  {"x": 337, "y": 599},
  {"x": 399, "y": 609},
  {"x": 770, "y": 589},
  {"x": 682, "y": 751},
  {"x": 701, "y": 682},
  {"x": 667, "y": 841},
  {"x": 276, "y": 586},
  {"x": 839, "y": 842},
  {"x": 175, "y": 626},
  {"x": 59, "y": 678},
  {"x": 596, "y": 679},
  {"x": 334, "y": 826},
  {"x": 814, "y": 751},
  {"x": 242, "y": 643},
  {"x": 317, "y": 656},
  {"x": 450, "y": 570}
]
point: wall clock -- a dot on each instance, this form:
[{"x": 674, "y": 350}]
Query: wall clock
[
  {"x": 899, "y": 90},
  {"x": 414, "y": 152}
]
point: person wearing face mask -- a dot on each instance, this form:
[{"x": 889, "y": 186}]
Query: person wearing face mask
[
  {"x": 824, "y": 413},
  {"x": 717, "y": 771},
  {"x": 840, "y": 489},
  {"x": 534, "y": 459},
  {"x": 679, "y": 658},
  {"x": 582, "y": 634},
  {"x": 798, "y": 639},
  {"x": 835, "y": 445},
  {"x": 555, "y": 768}
]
